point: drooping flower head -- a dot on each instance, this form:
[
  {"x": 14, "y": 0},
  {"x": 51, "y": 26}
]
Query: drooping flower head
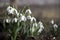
[
  {"x": 52, "y": 21},
  {"x": 29, "y": 17},
  {"x": 18, "y": 14},
  {"x": 22, "y": 18},
  {"x": 40, "y": 24},
  {"x": 21, "y": 15},
  {"x": 33, "y": 19},
  {"x": 15, "y": 11},
  {"x": 7, "y": 20},
  {"x": 15, "y": 20},
  {"x": 54, "y": 38},
  {"x": 28, "y": 11},
  {"x": 55, "y": 26},
  {"x": 11, "y": 10}
]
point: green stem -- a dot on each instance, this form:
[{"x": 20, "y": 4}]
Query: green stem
[{"x": 15, "y": 37}]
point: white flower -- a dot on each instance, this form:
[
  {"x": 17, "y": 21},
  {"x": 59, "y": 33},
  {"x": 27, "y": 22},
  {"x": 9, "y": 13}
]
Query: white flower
[
  {"x": 52, "y": 21},
  {"x": 54, "y": 38},
  {"x": 20, "y": 15},
  {"x": 29, "y": 17},
  {"x": 40, "y": 30},
  {"x": 17, "y": 14},
  {"x": 7, "y": 20},
  {"x": 33, "y": 19},
  {"x": 22, "y": 18},
  {"x": 28, "y": 11},
  {"x": 14, "y": 10},
  {"x": 8, "y": 8},
  {"x": 35, "y": 24},
  {"x": 40, "y": 24},
  {"x": 55, "y": 27},
  {"x": 15, "y": 20},
  {"x": 11, "y": 10}
]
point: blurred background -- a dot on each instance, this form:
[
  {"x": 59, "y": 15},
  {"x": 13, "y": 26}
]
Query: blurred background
[
  {"x": 44, "y": 10},
  {"x": 41, "y": 9}
]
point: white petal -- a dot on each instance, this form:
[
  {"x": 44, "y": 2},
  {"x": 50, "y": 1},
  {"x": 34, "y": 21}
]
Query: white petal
[
  {"x": 15, "y": 10},
  {"x": 52, "y": 21},
  {"x": 33, "y": 19},
  {"x": 40, "y": 24},
  {"x": 35, "y": 25},
  {"x": 17, "y": 14},
  {"x": 15, "y": 20},
  {"x": 8, "y": 8},
  {"x": 55, "y": 26},
  {"x": 21, "y": 15},
  {"x": 29, "y": 17},
  {"x": 11, "y": 10},
  {"x": 40, "y": 30},
  {"x": 23, "y": 18},
  {"x": 7, "y": 20},
  {"x": 54, "y": 38},
  {"x": 28, "y": 11}
]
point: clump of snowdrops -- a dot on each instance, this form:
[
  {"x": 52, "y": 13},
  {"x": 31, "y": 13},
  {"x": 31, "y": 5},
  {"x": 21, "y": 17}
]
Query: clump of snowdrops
[
  {"x": 54, "y": 29},
  {"x": 15, "y": 21}
]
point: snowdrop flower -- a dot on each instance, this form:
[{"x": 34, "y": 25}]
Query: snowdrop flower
[
  {"x": 55, "y": 27},
  {"x": 11, "y": 10},
  {"x": 22, "y": 18},
  {"x": 15, "y": 10},
  {"x": 40, "y": 30},
  {"x": 28, "y": 11},
  {"x": 35, "y": 24},
  {"x": 21, "y": 15},
  {"x": 33, "y": 19},
  {"x": 15, "y": 20},
  {"x": 52, "y": 21},
  {"x": 54, "y": 38},
  {"x": 7, "y": 20},
  {"x": 17, "y": 14},
  {"x": 29, "y": 17},
  {"x": 40, "y": 24}
]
